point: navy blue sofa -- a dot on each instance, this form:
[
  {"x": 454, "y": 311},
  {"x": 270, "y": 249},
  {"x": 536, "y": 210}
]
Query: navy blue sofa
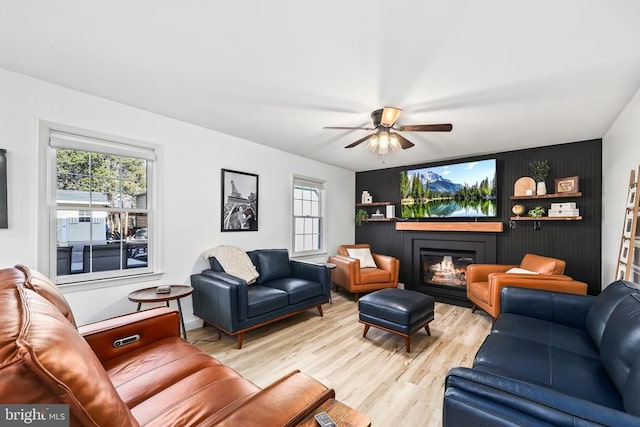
[
  {"x": 554, "y": 359},
  {"x": 284, "y": 288}
]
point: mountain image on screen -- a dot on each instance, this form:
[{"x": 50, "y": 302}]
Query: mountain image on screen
[{"x": 465, "y": 190}]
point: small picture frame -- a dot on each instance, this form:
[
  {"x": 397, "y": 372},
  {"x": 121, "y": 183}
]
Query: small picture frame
[
  {"x": 239, "y": 210},
  {"x": 628, "y": 224},
  {"x": 621, "y": 272},
  {"x": 567, "y": 185},
  {"x": 631, "y": 197},
  {"x": 624, "y": 251}
]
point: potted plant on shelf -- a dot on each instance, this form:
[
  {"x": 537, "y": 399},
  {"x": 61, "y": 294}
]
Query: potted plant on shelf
[
  {"x": 361, "y": 215},
  {"x": 539, "y": 173},
  {"x": 536, "y": 212}
]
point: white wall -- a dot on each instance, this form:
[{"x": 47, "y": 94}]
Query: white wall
[
  {"x": 621, "y": 154},
  {"x": 189, "y": 178}
]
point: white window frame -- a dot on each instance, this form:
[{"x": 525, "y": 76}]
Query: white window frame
[
  {"x": 299, "y": 180},
  {"x": 53, "y": 135}
]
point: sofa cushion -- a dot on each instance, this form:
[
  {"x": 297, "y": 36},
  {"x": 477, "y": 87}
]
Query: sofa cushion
[
  {"x": 48, "y": 361},
  {"x": 605, "y": 303},
  {"x": 564, "y": 371},
  {"x": 264, "y": 299},
  {"x": 364, "y": 256},
  {"x": 272, "y": 264},
  {"x": 620, "y": 346},
  {"x": 374, "y": 275},
  {"x": 297, "y": 290},
  {"x": 545, "y": 332}
]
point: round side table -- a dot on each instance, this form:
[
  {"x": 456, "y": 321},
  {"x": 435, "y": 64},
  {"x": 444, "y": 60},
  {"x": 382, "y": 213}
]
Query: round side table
[{"x": 148, "y": 295}]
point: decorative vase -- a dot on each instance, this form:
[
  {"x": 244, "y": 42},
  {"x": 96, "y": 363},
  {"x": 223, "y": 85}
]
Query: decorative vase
[{"x": 541, "y": 188}]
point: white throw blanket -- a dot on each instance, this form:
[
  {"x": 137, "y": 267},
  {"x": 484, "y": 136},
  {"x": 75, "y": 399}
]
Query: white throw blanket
[{"x": 235, "y": 262}]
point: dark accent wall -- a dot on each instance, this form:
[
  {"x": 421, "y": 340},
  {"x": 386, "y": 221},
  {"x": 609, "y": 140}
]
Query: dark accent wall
[{"x": 576, "y": 242}]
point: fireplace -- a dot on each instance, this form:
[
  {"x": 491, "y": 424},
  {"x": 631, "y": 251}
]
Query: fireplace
[
  {"x": 435, "y": 262},
  {"x": 446, "y": 268}
]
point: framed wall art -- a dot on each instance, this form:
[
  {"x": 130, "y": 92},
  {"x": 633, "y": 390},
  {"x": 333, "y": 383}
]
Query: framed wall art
[
  {"x": 567, "y": 185},
  {"x": 239, "y": 201},
  {"x": 4, "y": 214}
]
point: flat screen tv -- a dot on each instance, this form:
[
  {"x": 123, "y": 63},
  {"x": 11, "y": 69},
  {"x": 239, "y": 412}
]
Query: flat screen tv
[{"x": 462, "y": 190}]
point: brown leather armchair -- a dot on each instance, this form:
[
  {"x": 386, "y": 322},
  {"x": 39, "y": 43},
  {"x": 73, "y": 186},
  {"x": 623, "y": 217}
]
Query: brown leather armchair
[
  {"x": 485, "y": 281},
  {"x": 152, "y": 378},
  {"x": 354, "y": 279}
]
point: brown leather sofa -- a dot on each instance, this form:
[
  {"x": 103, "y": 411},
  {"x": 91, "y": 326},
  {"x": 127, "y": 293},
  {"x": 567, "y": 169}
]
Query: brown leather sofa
[
  {"x": 156, "y": 380},
  {"x": 356, "y": 280},
  {"x": 485, "y": 281}
]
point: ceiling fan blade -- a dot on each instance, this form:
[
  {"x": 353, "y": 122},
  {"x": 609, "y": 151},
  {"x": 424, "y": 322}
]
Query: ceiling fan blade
[
  {"x": 347, "y": 127},
  {"x": 404, "y": 142},
  {"x": 353, "y": 144},
  {"x": 444, "y": 127}
]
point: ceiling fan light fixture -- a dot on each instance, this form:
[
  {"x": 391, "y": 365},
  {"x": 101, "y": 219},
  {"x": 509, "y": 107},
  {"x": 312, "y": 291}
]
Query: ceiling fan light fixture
[
  {"x": 393, "y": 142},
  {"x": 389, "y": 116},
  {"x": 372, "y": 144}
]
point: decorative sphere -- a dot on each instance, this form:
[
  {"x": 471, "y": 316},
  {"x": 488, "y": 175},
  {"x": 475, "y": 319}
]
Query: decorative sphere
[{"x": 517, "y": 210}]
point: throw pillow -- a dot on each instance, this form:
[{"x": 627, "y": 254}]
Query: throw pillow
[
  {"x": 235, "y": 262},
  {"x": 364, "y": 255},
  {"x": 521, "y": 271}
]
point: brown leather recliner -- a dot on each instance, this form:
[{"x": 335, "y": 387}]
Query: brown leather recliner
[
  {"x": 485, "y": 281},
  {"x": 354, "y": 279},
  {"x": 157, "y": 380}
]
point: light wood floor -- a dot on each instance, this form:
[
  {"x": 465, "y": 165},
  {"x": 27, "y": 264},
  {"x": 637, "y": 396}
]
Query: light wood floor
[{"x": 374, "y": 374}]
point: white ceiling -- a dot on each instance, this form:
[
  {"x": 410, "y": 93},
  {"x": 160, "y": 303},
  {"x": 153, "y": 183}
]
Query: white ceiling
[{"x": 507, "y": 74}]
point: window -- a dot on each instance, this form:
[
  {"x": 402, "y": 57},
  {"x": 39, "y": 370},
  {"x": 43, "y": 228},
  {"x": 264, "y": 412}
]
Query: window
[
  {"x": 307, "y": 216},
  {"x": 100, "y": 197}
]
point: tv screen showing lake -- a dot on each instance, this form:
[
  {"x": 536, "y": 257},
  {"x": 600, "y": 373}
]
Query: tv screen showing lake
[{"x": 464, "y": 190}]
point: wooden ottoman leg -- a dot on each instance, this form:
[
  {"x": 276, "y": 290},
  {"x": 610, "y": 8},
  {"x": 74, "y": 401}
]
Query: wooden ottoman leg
[
  {"x": 426, "y": 328},
  {"x": 366, "y": 329},
  {"x": 407, "y": 343}
]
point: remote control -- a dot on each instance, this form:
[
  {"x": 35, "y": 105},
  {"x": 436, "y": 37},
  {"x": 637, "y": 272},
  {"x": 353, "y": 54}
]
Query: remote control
[{"x": 324, "y": 420}]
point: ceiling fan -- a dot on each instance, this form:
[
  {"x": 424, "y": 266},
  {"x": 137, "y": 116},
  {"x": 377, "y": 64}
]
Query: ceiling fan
[{"x": 384, "y": 140}]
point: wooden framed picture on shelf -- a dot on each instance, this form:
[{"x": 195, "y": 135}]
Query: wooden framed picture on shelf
[
  {"x": 567, "y": 185},
  {"x": 628, "y": 224}
]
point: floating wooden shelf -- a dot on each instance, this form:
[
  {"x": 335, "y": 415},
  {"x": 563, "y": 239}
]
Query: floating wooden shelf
[
  {"x": 484, "y": 226},
  {"x": 364, "y": 205},
  {"x": 546, "y": 218},
  {"x": 379, "y": 219},
  {"x": 548, "y": 196}
]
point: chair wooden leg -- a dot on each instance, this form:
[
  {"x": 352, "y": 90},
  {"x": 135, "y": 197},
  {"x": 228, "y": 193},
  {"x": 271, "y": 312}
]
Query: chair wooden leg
[
  {"x": 474, "y": 308},
  {"x": 407, "y": 344},
  {"x": 356, "y": 296},
  {"x": 426, "y": 328},
  {"x": 320, "y": 310},
  {"x": 366, "y": 329},
  {"x": 240, "y": 339}
]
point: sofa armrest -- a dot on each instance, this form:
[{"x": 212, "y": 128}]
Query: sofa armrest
[
  {"x": 284, "y": 403},
  {"x": 347, "y": 271},
  {"x": 150, "y": 325},
  {"x": 480, "y": 272},
  {"x": 220, "y": 299},
  {"x": 557, "y": 307},
  {"x": 388, "y": 263},
  {"x": 478, "y": 398},
  {"x": 312, "y": 271}
]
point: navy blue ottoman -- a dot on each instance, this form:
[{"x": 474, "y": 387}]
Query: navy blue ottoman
[{"x": 398, "y": 311}]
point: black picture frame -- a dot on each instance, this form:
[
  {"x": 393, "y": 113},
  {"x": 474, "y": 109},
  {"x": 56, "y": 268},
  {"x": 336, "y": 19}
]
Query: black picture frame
[
  {"x": 4, "y": 214},
  {"x": 239, "y": 204}
]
